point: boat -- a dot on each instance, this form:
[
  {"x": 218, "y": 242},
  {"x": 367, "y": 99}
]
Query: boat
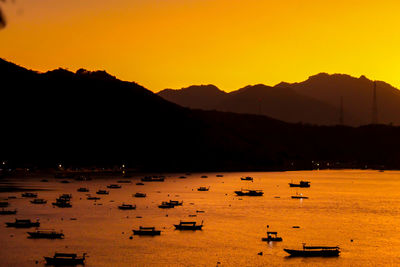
[
  {"x": 166, "y": 205},
  {"x": 114, "y": 186},
  {"x": 272, "y": 237},
  {"x": 204, "y": 176},
  {"x": 203, "y": 188},
  {"x": 39, "y": 201},
  {"x": 65, "y": 196},
  {"x": 219, "y": 175},
  {"x": 65, "y": 259},
  {"x": 102, "y": 192},
  {"x": 182, "y": 177},
  {"x": 127, "y": 207},
  {"x": 83, "y": 189},
  {"x": 175, "y": 202},
  {"x": 62, "y": 203},
  {"x": 92, "y": 198},
  {"x": 303, "y": 184},
  {"x": 23, "y": 224},
  {"x": 27, "y": 194},
  {"x": 8, "y": 212},
  {"x": 248, "y": 178},
  {"x": 188, "y": 226},
  {"x": 139, "y": 183},
  {"x": 49, "y": 234},
  {"x": 64, "y": 182},
  {"x": 4, "y": 204},
  {"x": 139, "y": 195},
  {"x": 152, "y": 179},
  {"x": 247, "y": 192},
  {"x": 124, "y": 182},
  {"x": 146, "y": 231},
  {"x": 299, "y": 196},
  {"x": 314, "y": 251}
]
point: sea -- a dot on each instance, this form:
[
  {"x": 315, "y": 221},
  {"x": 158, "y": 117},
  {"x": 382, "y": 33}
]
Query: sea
[{"x": 357, "y": 210}]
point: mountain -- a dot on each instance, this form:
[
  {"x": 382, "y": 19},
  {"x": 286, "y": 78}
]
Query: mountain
[
  {"x": 87, "y": 117},
  {"x": 357, "y": 96},
  {"x": 314, "y": 101}
]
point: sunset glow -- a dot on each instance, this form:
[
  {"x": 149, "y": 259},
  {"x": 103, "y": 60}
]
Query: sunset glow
[{"x": 175, "y": 43}]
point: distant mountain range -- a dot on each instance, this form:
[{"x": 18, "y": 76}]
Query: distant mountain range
[
  {"x": 316, "y": 100},
  {"x": 91, "y": 116}
]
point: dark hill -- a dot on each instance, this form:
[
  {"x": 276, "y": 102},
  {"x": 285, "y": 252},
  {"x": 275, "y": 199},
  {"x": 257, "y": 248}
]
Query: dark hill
[{"x": 91, "y": 116}]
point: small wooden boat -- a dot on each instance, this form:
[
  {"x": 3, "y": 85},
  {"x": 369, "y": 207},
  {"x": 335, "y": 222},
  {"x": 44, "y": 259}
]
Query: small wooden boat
[
  {"x": 166, "y": 205},
  {"x": 39, "y": 201},
  {"x": 151, "y": 231},
  {"x": 124, "y": 181},
  {"x": 65, "y": 196},
  {"x": 139, "y": 183},
  {"x": 248, "y": 178},
  {"x": 4, "y": 204},
  {"x": 182, "y": 177},
  {"x": 204, "y": 176},
  {"x": 65, "y": 259},
  {"x": 49, "y": 234},
  {"x": 253, "y": 193},
  {"x": 299, "y": 196},
  {"x": 272, "y": 237},
  {"x": 83, "y": 189},
  {"x": 219, "y": 175},
  {"x": 62, "y": 203},
  {"x": 23, "y": 224},
  {"x": 114, "y": 186},
  {"x": 175, "y": 202},
  {"x": 314, "y": 251},
  {"x": 7, "y": 212},
  {"x": 92, "y": 198},
  {"x": 127, "y": 207},
  {"x": 28, "y": 194},
  {"x": 203, "y": 188},
  {"x": 102, "y": 192},
  {"x": 152, "y": 179},
  {"x": 139, "y": 195},
  {"x": 303, "y": 184},
  {"x": 188, "y": 226},
  {"x": 65, "y": 182}
]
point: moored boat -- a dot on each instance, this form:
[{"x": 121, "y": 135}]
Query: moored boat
[
  {"x": 272, "y": 237},
  {"x": 102, "y": 192},
  {"x": 92, "y": 198},
  {"x": 39, "y": 201},
  {"x": 175, "y": 202},
  {"x": 124, "y": 181},
  {"x": 114, "y": 186},
  {"x": 139, "y": 195},
  {"x": 7, "y": 212},
  {"x": 299, "y": 196},
  {"x": 28, "y": 194},
  {"x": 203, "y": 188},
  {"x": 303, "y": 184},
  {"x": 23, "y": 224},
  {"x": 49, "y": 234},
  {"x": 151, "y": 231},
  {"x": 65, "y": 259},
  {"x": 314, "y": 251},
  {"x": 4, "y": 204},
  {"x": 248, "y": 178},
  {"x": 83, "y": 189},
  {"x": 166, "y": 205},
  {"x": 188, "y": 226},
  {"x": 127, "y": 207},
  {"x": 248, "y": 192}
]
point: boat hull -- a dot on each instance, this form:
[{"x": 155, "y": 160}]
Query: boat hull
[
  {"x": 188, "y": 228},
  {"x": 16, "y": 225},
  {"x": 58, "y": 262},
  {"x": 313, "y": 253},
  {"x": 45, "y": 236}
]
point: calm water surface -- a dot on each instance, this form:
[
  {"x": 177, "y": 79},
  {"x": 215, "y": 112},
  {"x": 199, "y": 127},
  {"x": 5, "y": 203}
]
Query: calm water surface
[{"x": 363, "y": 206}]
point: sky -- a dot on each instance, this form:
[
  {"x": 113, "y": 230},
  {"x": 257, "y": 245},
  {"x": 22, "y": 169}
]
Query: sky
[{"x": 229, "y": 43}]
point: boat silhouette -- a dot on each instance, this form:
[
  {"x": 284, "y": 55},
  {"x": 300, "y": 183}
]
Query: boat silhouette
[
  {"x": 23, "y": 224},
  {"x": 150, "y": 231},
  {"x": 248, "y": 192},
  {"x": 65, "y": 259},
  {"x": 188, "y": 226},
  {"x": 49, "y": 234},
  {"x": 314, "y": 251}
]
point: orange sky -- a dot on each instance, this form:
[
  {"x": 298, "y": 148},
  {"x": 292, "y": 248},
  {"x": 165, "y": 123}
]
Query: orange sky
[{"x": 230, "y": 43}]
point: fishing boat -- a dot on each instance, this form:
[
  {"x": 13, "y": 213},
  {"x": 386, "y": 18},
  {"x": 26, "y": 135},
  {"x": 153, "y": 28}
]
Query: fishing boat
[
  {"x": 39, "y": 201},
  {"x": 23, "y": 224},
  {"x": 127, "y": 207},
  {"x": 64, "y": 182},
  {"x": 166, "y": 205},
  {"x": 8, "y": 212},
  {"x": 303, "y": 184},
  {"x": 146, "y": 231},
  {"x": 314, "y": 251},
  {"x": 188, "y": 226},
  {"x": 4, "y": 204},
  {"x": 152, "y": 179},
  {"x": 65, "y": 196},
  {"x": 219, "y": 175},
  {"x": 62, "y": 204},
  {"x": 83, "y": 189},
  {"x": 139, "y": 195},
  {"x": 175, "y": 202},
  {"x": 102, "y": 192},
  {"x": 114, "y": 186},
  {"x": 139, "y": 183},
  {"x": 203, "y": 188},
  {"x": 92, "y": 198},
  {"x": 28, "y": 194},
  {"x": 49, "y": 234},
  {"x": 248, "y": 178},
  {"x": 182, "y": 177},
  {"x": 272, "y": 237},
  {"x": 299, "y": 196},
  {"x": 65, "y": 259},
  {"x": 247, "y": 192},
  {"x": 204, "y": 176}
]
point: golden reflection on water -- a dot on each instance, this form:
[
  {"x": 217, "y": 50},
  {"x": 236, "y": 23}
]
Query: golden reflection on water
[{"x": 362, "y": 206}]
